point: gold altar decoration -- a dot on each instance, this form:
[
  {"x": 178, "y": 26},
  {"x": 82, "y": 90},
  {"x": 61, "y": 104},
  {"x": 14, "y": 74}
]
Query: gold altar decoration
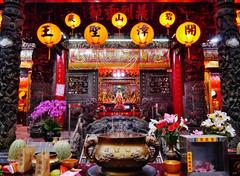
[
  {"x": 119, "y": 20},
  {"x": 82, "y": 58},
  {"x": 167, "y": 18},
  {"x": 142, "y": 34},
  {"x": 121, "y": 153},
  {"x": 49, "y": 34},
  {"x": 188, "y": 33},
  {"x": 95, "y": 34},
  {"x": 72, "y": 20}
]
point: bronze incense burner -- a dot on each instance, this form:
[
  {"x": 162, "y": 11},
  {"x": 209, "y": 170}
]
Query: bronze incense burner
[{"x": 121, "y": 153}]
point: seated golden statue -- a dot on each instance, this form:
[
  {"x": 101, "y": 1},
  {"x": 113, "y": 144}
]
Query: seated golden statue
[{"x": 119, "y": 100}]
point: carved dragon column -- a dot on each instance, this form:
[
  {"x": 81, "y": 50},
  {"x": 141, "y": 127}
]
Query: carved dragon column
[
  {"x": 10, "y": 47},
  {"x": 229, "y": 52}
]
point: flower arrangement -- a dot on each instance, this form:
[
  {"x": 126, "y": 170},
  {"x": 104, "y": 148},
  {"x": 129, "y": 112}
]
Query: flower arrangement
[
  {"x": 218, "y": 123},
  {"x": 48, "y": 112},
  {"x": 169, "y": 127},
  {"x": 49, "y": 108}
]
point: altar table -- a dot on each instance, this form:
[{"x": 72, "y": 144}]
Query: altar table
[{"x": 85, "y": 167}]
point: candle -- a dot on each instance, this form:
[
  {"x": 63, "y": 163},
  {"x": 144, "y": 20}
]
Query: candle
[{"x": 156, "y": 106}]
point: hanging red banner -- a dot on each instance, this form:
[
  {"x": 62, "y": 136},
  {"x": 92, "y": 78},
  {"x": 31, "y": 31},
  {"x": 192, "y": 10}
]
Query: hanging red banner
[{"x": 60, "y": 76}]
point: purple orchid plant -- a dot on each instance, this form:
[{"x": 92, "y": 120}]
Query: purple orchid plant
[{"x": 51, "y": 108}]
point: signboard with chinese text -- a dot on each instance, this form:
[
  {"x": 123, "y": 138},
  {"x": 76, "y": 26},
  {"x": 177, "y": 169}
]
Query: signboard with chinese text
[{"x": 118, "y": 58}]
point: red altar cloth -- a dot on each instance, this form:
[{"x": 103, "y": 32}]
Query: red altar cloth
[{"x": 122, "y": 113}]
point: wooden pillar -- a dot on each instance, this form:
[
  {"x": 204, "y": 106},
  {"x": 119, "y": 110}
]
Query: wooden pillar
[
  {"x": 177, "y": 84},
  {"x": 10, "y": 48},
  {"x": 229, "y": 52}
]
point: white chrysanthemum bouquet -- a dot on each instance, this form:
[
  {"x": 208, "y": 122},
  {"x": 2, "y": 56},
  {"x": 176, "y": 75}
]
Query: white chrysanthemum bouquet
[{"x": 218, "y": 123}]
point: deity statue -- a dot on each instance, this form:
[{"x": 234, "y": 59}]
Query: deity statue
[{"x": 119, "y": 100}]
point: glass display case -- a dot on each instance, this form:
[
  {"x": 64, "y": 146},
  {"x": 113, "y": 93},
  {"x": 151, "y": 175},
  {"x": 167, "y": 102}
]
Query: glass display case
[{"x": 204, "y": 155}]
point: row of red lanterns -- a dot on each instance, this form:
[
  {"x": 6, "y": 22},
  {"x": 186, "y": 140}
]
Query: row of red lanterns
[{"x": 141, "y": 34}]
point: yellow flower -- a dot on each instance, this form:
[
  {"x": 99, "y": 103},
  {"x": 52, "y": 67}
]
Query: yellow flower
[
  {"x": 214, "y": 127},
  {"x": 211, "y": 116}
]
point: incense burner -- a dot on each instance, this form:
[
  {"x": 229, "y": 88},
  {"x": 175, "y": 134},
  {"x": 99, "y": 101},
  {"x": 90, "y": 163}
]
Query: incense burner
[{"x": 121, "y": 153}]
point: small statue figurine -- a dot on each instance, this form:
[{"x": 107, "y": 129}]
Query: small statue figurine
[{"x": 119, "y": 100}]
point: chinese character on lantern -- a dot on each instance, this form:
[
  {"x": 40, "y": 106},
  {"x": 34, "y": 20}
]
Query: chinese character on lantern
[
  {"x": 95, "y": 34},
  {"x": 167, "y": 18},
  {"x": 119, "y": 20},
  {"x": 188, "y": 33},
  {"x": 49, "y": 34},
  {"x": 190, "y": 29},
  {"x": 142, "y": 34},
  {"x": 72, "y": 20}
]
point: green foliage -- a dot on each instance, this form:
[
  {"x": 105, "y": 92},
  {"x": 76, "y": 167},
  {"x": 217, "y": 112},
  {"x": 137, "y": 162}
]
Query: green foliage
[
  {"x": 52, "y": 125},
  {"x": 15, "y": 149},
  {"x": 63, "y": 149}
]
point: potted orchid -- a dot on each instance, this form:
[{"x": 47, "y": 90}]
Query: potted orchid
[
  {"x": 168, "y": 128},
  {"x": 218, "y": 123},
  {"x": 47, "y": 113}
]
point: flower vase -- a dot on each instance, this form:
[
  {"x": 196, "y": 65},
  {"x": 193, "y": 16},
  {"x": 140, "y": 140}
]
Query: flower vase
[{"x": 170, "y": 153}]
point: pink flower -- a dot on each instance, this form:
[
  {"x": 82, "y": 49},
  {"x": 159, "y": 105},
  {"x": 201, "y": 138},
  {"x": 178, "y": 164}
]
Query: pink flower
[
  {"x": 196, "y": 132},
  {"x": 53, "y": 109},
  {"x": 170, "y": 118}
]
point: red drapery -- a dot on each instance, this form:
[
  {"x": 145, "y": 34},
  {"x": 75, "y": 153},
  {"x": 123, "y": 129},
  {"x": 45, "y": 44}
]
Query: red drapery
[{"x": 177, "y": 84}]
